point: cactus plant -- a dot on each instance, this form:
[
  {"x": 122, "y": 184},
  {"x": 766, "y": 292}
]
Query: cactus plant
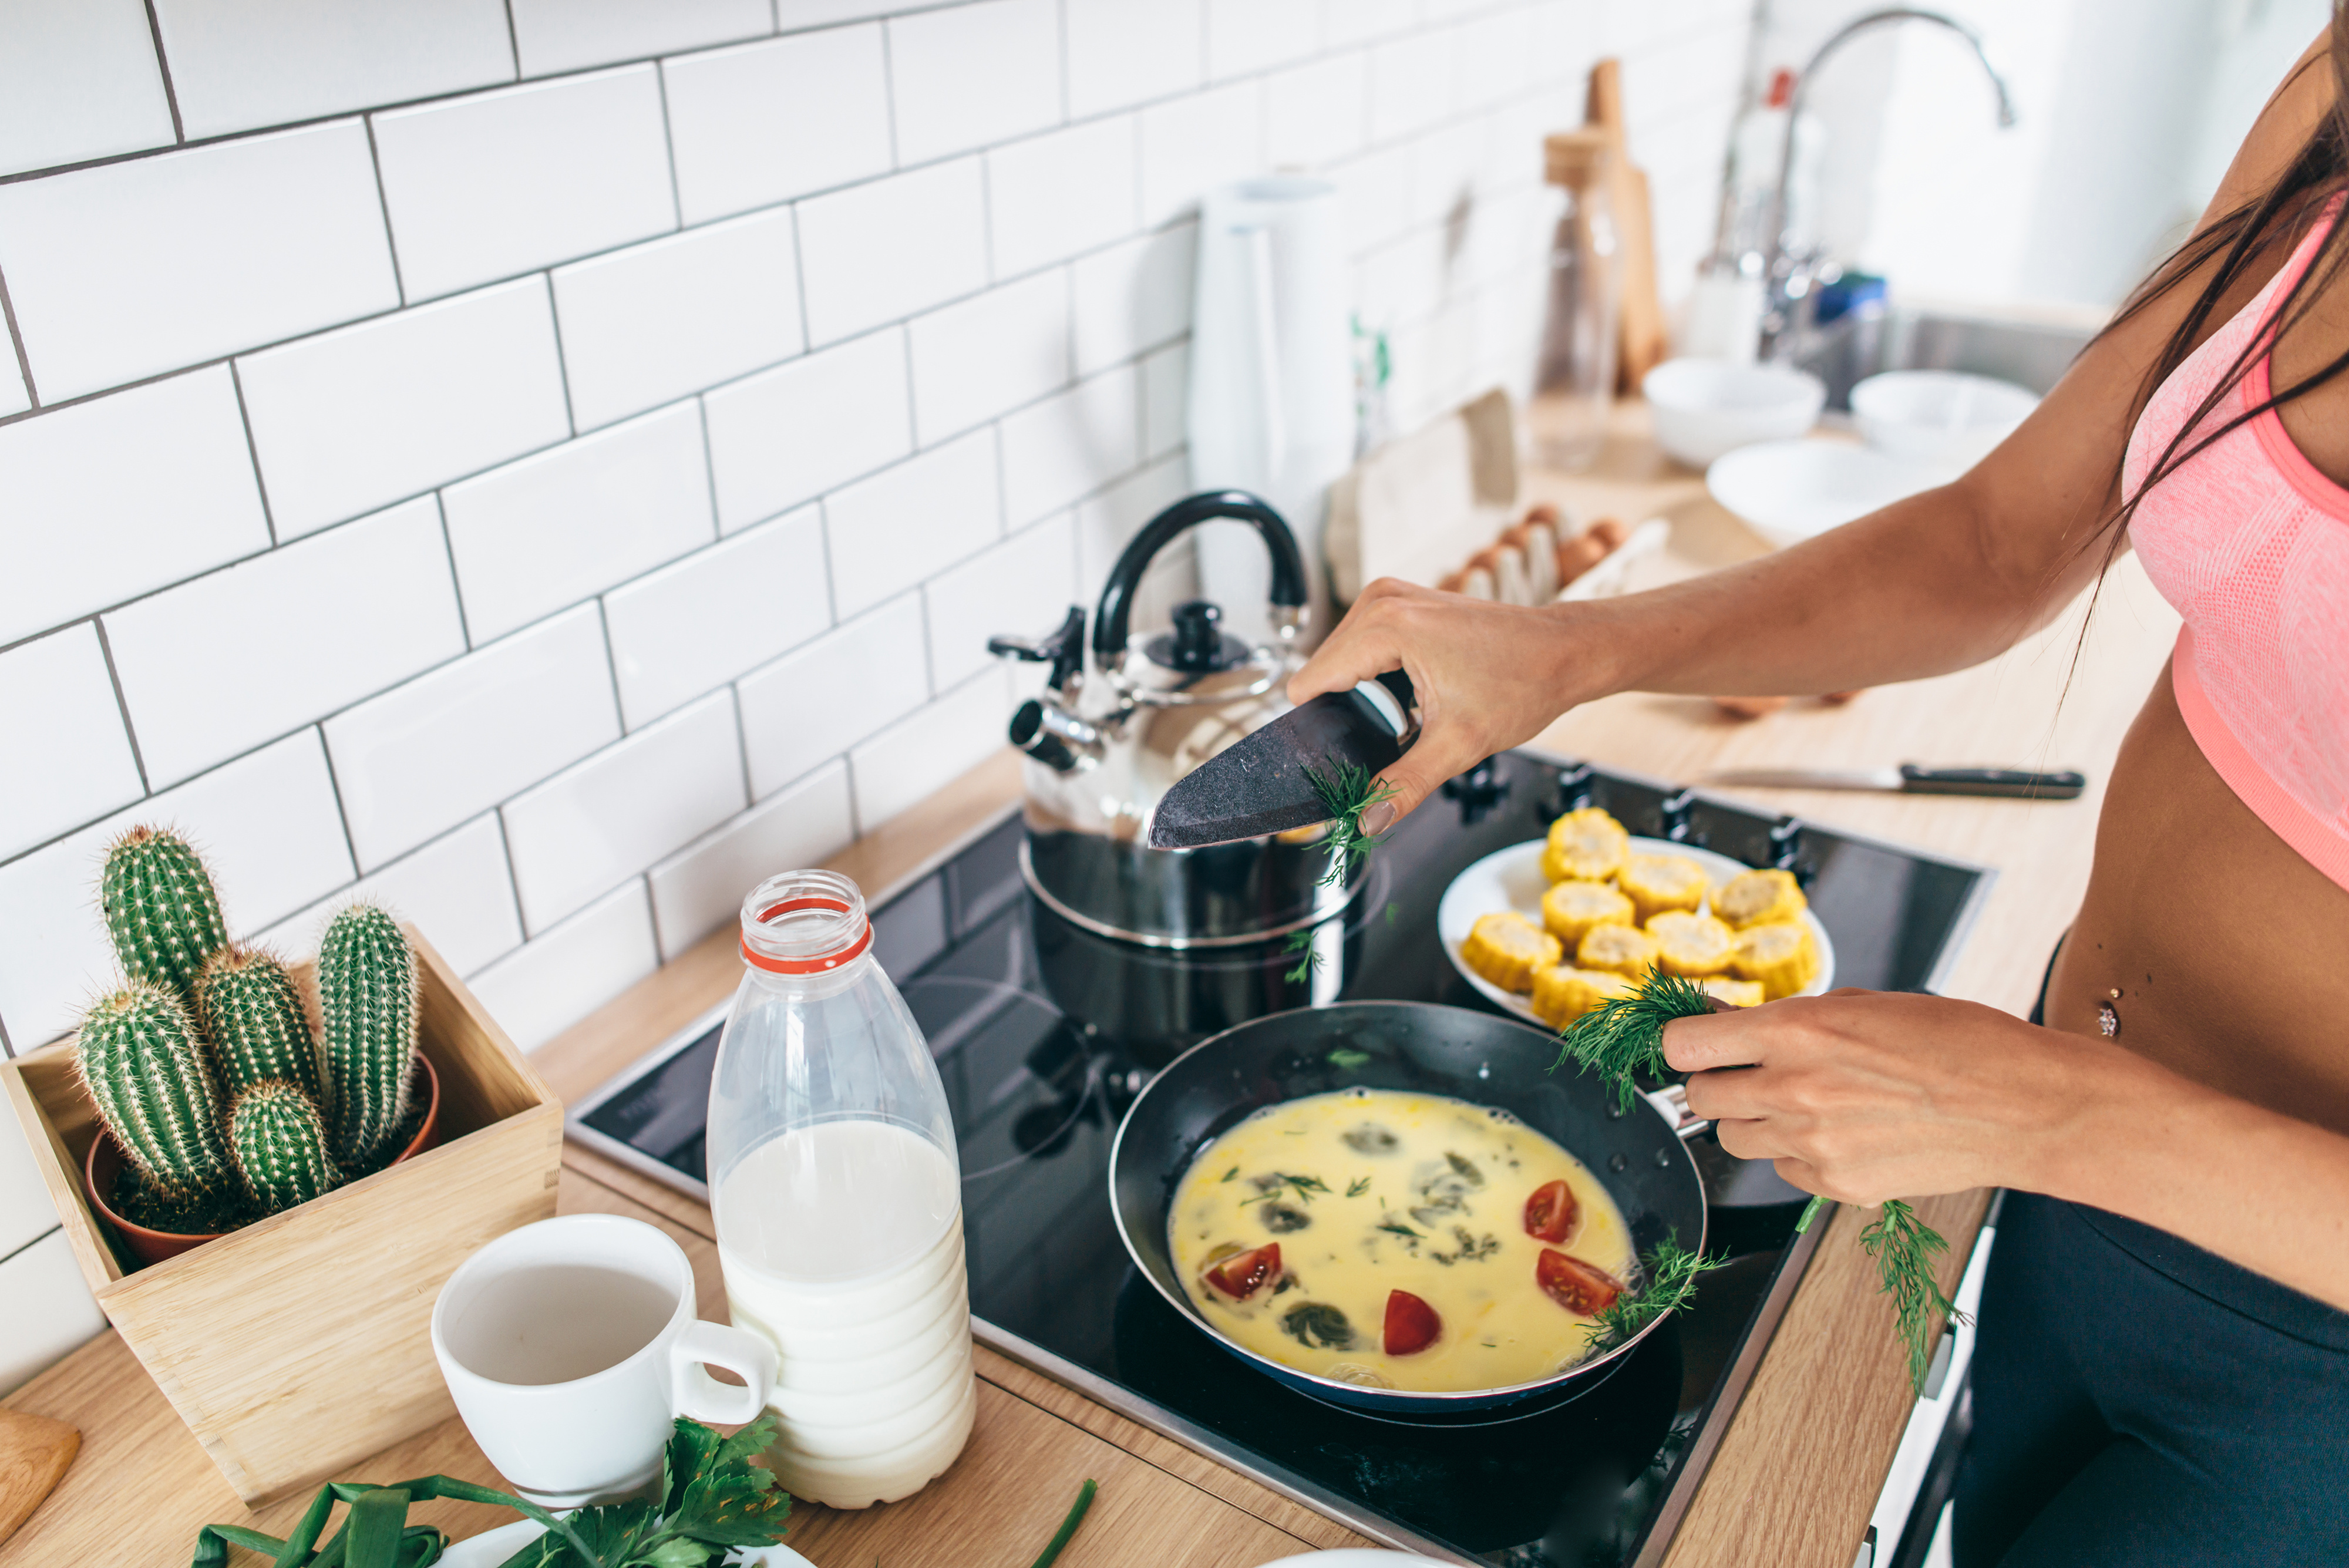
[
  {"x": 249, "y": 1011},
  {"x": 154, "y": 1090},
  {"x": 280, "y": 1145},
  {"x": 160, "y": 908},
  {"x": 368, "y": 994}
]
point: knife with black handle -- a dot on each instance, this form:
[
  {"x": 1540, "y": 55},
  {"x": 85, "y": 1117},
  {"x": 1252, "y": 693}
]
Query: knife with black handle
[{"x": 1908, "y": 778}]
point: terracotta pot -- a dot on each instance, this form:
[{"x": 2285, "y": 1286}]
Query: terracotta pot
[{"x": 103, "y": 1163}]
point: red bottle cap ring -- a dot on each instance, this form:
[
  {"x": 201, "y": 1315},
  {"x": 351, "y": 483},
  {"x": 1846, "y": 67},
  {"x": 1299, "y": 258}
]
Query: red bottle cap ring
[{"x": 816, "y": 965}]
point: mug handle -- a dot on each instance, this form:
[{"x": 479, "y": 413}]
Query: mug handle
[{"x": 695, "y": 1393}]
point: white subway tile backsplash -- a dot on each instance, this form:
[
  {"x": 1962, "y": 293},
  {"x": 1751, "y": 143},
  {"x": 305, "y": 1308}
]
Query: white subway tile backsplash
[
  {"x": 15, "y": 396},
  {"x": 48, "y": 1308},
  {"x": 563, "y": 975},
  {"x": 350, "y": 420},
  {"x": 78, "y": 82},
  {"x": 556, "y": 527},
  {"x": 1069, "y": 446},
  {"x": 697, "y": 623},
  {"x": 701, "y": 888},
  {"x": 654, "y": 322},
  {"x": 25, "y": 1212},
  {"x": 1108, "y": 521},
  {"x": 577, "y": 836},
  {"x": 423, "y": 757},
  {"x": 970, "y": 75},
  {"x": 1165, "y": 400},
  {"x": 765, "y": 122},
  {"x": 266, "y": 821},
  {"x": 787, "y": 435},
  {"x": 907, "y": 522},
  {"x": 887, "y": 249},
  {"x": 239, "y": 64},
  {"x": 484, "y": 187},
  {"x": 922, "y": 753},
  {"x": 995, "y": 351},
  {"x": 1347, "y": 22},
  {"x": 1316, "y": 113},
  {"x": 1373, "y": 197},
  {"x": 1133, "y": 296},
  {"x": 115, "y": 498},
  {"x": 1031, "y": 220},
  {"x": 814, "y": 704},
  {"x": 132, "y": 269},
  {"x": 553, "y": 36},
  {"x": 1190, "y": 145},
  {"x": 1023, "y": 586},
  {"x": 1127, "y": 51},
  {"x": 456, "y": 889},
  {"x": 305, "y": 630},
  {"x": 59, "y": 712},
  {"x": 1412, "y": 83},
  {"x": 1248, "y": 35}
]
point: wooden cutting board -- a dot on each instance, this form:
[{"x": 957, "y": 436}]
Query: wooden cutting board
[
  {"x": 34, "y": 1454},
  {"x": 1645, "y": 343}
]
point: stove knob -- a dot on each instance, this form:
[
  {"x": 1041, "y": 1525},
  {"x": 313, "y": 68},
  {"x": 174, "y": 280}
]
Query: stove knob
[
  {"x": 1785, "y": 843},
  {"x": 1478, "y": 791},
  {"x": 1675, "y": 810},
  {"x": 1574, "y": 786}
]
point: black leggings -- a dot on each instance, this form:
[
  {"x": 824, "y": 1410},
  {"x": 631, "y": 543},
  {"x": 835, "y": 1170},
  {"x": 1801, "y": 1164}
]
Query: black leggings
[{"x": 2141, "y": 1402}]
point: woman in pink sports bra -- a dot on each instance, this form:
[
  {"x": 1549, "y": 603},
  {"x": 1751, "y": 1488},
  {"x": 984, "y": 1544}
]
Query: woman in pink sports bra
[{"x": 2163, "y": 1373}]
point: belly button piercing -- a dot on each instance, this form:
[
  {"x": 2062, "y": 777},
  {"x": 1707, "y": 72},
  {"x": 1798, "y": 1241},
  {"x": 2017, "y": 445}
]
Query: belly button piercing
[{"x": 2109, "y": 1018}]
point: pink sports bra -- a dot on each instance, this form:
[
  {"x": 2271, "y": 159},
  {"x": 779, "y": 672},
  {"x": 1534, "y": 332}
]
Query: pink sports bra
[{"x": 2249, "y": 542}]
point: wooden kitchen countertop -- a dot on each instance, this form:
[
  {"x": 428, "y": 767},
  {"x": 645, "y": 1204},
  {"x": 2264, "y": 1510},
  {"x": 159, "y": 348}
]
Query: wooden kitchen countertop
[{"x": 1801, "y": 1464}]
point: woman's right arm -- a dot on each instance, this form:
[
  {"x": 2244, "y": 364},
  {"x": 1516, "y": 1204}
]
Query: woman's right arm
[{"x": 1935, "y": 583}]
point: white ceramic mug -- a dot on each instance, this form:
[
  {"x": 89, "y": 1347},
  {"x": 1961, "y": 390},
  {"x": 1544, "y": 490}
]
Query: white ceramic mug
[{"x": 572, "y": 1345}]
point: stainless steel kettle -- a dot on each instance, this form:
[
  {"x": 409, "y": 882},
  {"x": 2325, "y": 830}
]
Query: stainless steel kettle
[{"x": 1102, "y": 747}]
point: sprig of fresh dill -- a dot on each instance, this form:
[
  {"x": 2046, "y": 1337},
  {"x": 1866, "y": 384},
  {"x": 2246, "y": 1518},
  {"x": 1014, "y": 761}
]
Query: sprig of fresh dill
[
  {"x": 1669, "y": 1275},
  {"x": 1305, "y": 1187},
  {"x": 1624, "y": 1037},
  {"x": 1300, "y": 940},
  {"x": 1347, "y": 791},
  {"x": 1904, "y": 1248}
]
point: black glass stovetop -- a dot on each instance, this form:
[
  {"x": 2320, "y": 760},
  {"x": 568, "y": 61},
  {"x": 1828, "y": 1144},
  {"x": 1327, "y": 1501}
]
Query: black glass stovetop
[{"x": 1044, "y": 1033}]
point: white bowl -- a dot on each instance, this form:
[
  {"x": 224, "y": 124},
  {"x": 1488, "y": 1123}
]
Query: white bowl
[
  {"x": 1788, "y": 491},
  {"x": 1943, "y": 417},
  {"x": 1704, "y": 408}
]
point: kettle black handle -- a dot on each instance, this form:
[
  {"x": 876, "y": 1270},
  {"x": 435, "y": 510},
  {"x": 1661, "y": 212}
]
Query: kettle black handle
[{"x": 1110, "y": 621}]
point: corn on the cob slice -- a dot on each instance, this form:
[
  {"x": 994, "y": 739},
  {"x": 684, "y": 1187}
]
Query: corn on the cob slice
[
  {"x": 1781, "y": 955},
  {"x": 1736, "y": 992},
  {"x": 1656, "y": 883},
  {"x": 1571, "y": 908},
  {"x": 1506, "y": 948},
  {"x": 1691, "y": 945},
  {"x": 1562, "y": 993},
  {"x": 1623, "y": 949},
  {"x": 1586, "y": 846},
  {"x": 1759, "y": 898}
]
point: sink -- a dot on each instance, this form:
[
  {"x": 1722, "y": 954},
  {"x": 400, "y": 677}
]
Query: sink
[{"x": 1849, "y": 349}]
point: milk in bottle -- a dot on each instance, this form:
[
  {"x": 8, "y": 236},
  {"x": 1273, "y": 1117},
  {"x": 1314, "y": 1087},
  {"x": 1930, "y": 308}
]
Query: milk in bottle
[{"x": 837, "y": 1196}]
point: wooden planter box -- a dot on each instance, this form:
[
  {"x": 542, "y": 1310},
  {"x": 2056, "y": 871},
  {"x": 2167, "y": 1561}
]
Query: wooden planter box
[{"x": 302, "y": 1344}]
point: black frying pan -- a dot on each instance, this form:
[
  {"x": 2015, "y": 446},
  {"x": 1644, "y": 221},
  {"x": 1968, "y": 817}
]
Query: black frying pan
[{"x": 1480, "y": 1057}]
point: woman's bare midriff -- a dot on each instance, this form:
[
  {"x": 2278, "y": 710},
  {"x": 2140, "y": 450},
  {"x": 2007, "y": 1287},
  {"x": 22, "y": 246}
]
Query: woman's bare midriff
[{"x": 2228, "y": 951}]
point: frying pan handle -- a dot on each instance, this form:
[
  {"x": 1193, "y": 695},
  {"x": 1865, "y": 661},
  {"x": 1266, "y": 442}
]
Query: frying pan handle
[{"x": 1673, "y": 1101}]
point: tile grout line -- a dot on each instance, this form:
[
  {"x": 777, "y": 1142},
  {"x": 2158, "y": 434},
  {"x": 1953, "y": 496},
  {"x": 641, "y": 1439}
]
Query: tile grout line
[
  {"x": 383, "y": 205},
  {"x": 260, "y": 485},
  {"x": 17, "y": 342},
  {"x": 342, "y": 815},
  {"x": 11, "y": 1256},
  {"x": 562, "y": 365},
  {"x": 513, "y": 41},
  {"x": 668, "y": 148},
  {"x": 163, "y": 69},
  {"x": 122, "y": 705},
  {"x": 456, "y": 584}
]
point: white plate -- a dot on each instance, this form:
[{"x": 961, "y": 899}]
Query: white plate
[
  {"x": 1512, "y": 878},
  {"x": 1791, "y": 489},
  {"x": 493, "y": 1547}
]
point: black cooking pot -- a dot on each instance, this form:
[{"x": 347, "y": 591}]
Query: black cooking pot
[{"x": 1421, "y": 1047}]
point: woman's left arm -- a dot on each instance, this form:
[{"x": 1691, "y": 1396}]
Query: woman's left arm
[{"x": 1865, "y": 1095}]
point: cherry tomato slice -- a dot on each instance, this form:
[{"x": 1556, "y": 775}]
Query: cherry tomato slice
[
  {"x": 1575, "y": 1285},
  {"x": 1243, "y": 1275},
  {"x": 1551, "y": 1211},
  {"x": 1411, "y": 1325}
]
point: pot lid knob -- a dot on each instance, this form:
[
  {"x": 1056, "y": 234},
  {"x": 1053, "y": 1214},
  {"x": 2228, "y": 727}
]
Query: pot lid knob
[{"x": 1197, "y": 645}]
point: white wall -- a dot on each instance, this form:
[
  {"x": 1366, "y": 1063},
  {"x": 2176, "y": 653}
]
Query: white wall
[{"x": 549, "y": 465}]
